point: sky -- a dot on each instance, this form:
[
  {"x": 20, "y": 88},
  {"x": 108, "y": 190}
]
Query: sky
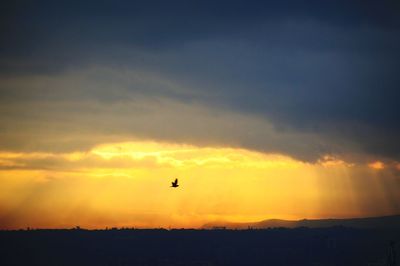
[{"x": 261, "y": 109}]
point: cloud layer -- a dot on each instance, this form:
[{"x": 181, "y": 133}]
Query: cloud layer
[{"x": 303, "y": 79}]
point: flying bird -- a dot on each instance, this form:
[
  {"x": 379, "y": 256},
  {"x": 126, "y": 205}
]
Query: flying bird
[{"x": 175, "y": 183}]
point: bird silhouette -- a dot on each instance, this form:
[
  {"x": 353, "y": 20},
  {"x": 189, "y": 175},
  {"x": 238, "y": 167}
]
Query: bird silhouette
[{"x": 175, "y": 183}]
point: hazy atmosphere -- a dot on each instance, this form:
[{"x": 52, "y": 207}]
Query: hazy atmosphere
[{"x": 261, "y": 109}]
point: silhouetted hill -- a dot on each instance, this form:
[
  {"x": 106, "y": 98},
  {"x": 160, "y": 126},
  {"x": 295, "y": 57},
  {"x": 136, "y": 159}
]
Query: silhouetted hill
[
  {"x": 280, "y": 246},
  {"x": 369, "y": 222}
]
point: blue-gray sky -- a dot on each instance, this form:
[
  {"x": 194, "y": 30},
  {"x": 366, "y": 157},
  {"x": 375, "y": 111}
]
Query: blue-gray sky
[{"x": 301, "y": 78}]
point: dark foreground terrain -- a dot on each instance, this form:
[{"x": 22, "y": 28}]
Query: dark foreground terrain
[{"x": 299, "y": 246}]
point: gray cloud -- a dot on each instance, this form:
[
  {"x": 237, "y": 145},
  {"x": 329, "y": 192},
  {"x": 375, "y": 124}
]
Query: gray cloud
[
  {"x": 65, "y": 118},
  {"x": 324, "y": 75}
]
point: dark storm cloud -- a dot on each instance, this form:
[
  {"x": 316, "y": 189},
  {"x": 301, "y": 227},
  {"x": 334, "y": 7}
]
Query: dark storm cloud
[
  {"x": 325, "y": 68},
  {"x": 43, "y": 27}
]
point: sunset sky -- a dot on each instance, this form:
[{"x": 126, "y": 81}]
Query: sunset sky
[{"x": 280, "y": 109}]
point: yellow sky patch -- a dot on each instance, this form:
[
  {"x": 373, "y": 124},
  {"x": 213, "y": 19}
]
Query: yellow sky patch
[{"x": 128, "y": 184}]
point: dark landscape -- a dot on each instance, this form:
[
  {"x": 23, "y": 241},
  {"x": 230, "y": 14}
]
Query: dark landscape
[
  {"x": 337, "y": 245},
  {"x": 392, "y": 221}
]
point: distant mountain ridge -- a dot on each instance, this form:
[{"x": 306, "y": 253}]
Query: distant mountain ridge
[{"x": 392, "y": 221}]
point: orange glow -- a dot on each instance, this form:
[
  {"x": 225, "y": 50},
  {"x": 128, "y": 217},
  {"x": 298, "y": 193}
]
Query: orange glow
[
  {"x": 331, "y": 161},
  {"x": 378, "y": 165},
  {"x": 128, "y": 184}
]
